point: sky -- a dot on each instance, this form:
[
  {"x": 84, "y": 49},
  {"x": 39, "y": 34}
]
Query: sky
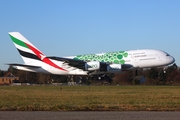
[{"x": 73, "y": 27}]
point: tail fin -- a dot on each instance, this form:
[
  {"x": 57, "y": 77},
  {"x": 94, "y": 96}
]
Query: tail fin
[
  {"x": 29, "y": 53},
  {"x": 32, "y": 57}
]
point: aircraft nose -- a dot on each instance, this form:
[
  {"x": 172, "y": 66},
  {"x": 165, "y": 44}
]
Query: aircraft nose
[{"x": 171, "y": 59}]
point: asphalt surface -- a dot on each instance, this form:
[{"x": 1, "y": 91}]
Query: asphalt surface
[{"x": 48, "y": 115}]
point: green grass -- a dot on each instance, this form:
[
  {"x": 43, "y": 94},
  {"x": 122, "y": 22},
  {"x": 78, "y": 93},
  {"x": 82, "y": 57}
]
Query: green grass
[{"x": 103, "y": 98}]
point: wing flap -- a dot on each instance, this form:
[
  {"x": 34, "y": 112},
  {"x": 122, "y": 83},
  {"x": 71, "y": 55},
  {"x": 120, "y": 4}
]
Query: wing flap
[{"x": 71, "y": 62}]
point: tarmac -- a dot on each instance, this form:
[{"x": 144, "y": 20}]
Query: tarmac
[{"x": 89, "y": 115}]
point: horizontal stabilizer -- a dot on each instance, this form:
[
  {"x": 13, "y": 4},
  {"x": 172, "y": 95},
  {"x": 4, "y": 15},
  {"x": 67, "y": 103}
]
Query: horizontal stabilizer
[{"x": 24, "y": 65}]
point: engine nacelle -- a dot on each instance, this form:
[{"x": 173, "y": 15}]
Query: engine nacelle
[
  {"x": 113, "y": 68},
  {"x": 90, "y": 66}
]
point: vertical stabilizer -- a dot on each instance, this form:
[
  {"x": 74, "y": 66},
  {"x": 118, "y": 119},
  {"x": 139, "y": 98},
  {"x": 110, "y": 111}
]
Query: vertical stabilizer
[{"x": 29, "y": 53}]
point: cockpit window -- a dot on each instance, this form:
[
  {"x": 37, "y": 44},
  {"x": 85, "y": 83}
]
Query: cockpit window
[{"x": 167, "y": 55}]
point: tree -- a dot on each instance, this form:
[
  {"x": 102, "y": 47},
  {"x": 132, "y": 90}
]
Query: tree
[
  {"x": 124, "y": 78},
  {"x": 153, "y": 73},
  {"x": 1, "y": 73}
]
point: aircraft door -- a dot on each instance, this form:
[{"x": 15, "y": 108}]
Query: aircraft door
[
  {"x": 135, "y": 60},
  {"x": 159, "y": 57}
]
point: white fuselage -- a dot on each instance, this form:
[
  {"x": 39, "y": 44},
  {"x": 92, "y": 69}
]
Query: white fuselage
[
  {"x": 148, "y": 58},
  {"x": 145, "y": 58},
  {"x": 110, "y": 62}
]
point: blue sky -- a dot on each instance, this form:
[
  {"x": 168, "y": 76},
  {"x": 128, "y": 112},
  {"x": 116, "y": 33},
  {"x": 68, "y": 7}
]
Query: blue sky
[{"x": 72, "y": 27}]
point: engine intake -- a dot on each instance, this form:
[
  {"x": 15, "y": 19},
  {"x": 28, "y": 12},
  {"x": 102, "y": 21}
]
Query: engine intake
[
  {"x": 113, "y": 68},
  {"x": 91, "y": 66}
]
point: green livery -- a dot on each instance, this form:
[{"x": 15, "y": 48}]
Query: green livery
[{"x": 110, "y": 57}]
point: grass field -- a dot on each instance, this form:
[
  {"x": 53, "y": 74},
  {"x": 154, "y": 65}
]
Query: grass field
[{"x": 88, "y": 98}]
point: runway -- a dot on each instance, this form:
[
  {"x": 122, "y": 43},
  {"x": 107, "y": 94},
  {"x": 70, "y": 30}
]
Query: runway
[{"x": 95, "y": 115}]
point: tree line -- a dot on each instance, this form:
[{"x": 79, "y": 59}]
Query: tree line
[{"x": 151, "y": 76}]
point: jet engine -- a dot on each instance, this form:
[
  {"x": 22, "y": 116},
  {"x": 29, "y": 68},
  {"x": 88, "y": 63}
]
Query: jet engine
[
  {"x": 91, "y": 66},
  {"x": 113, "y": 68}
]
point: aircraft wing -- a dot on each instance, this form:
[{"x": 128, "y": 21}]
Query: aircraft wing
[
  {"x": 80, "y": 63},
  {"x": 72, "y": 62},
  {"x": 24, "y": 65}
]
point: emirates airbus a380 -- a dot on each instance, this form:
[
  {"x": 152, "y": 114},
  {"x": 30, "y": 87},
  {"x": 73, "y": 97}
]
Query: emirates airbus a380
[{"x": 88, "y": 64}]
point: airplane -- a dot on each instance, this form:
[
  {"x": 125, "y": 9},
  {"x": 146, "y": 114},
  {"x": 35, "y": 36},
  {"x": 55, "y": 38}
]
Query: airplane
[{"x": 87, "y": 64}]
